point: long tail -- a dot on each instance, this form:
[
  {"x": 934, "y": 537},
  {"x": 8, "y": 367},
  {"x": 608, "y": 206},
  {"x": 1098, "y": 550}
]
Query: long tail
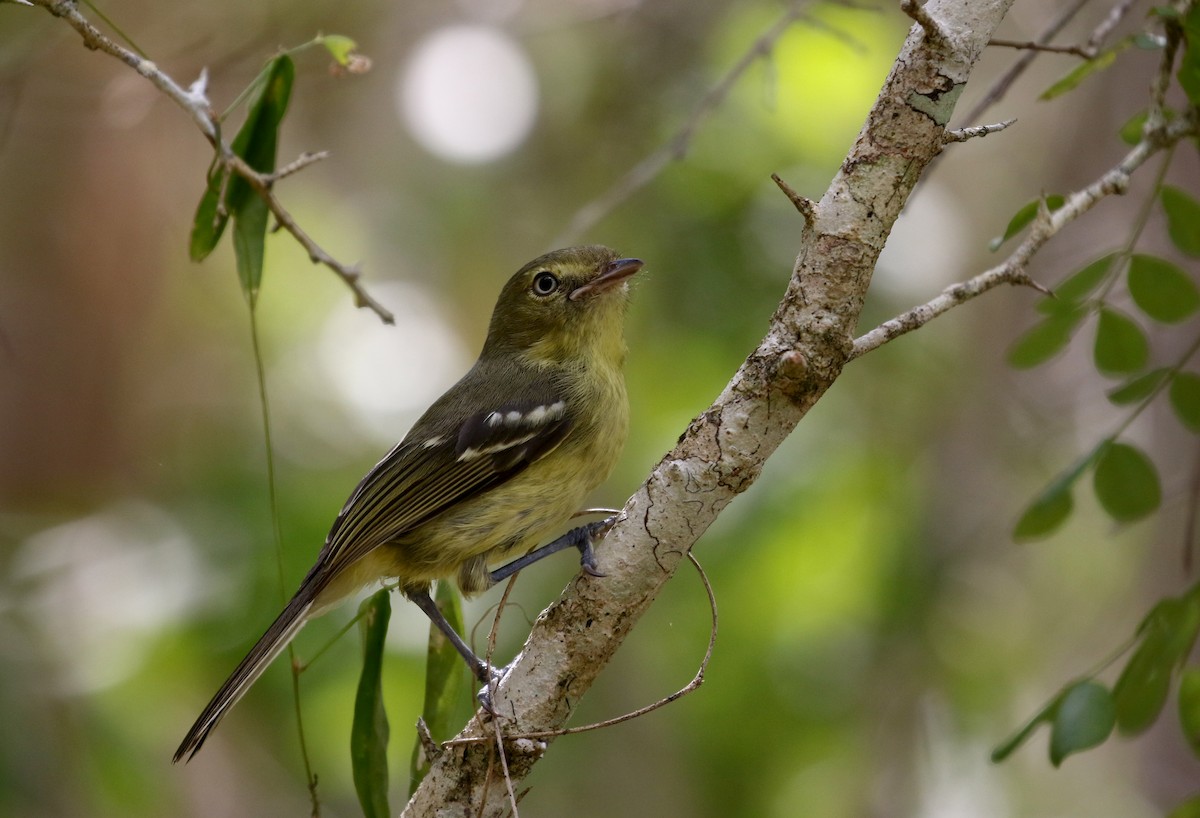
[{"x": 281, "y": 632}]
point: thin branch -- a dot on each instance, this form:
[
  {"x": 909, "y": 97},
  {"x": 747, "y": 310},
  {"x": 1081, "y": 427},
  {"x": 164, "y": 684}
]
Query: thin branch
[
  {"x": 691, "y": 686},
  {"x": 195, "y": 103},
  {"x": 1048, "y": 224},
  {"x": 677, "y": 146},
  {"x": 1106, "y": 26},
  {"x": 1001, "y": 86},
  {"x": 1030, "y": 45},
  {"x": 963, "y": 134},
  {"x": 296, "y": 165}
]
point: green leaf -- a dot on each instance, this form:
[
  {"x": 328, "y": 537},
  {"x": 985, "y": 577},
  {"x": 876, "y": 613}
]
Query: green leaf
[
  {"x": 1050, "y": 508},
  {"x": 1168, "y": 634},
  {"x": 1121, "y": 346},
  {"x": 1183, "y": 219},
  {"x": 1185, "y": 399},
  {"x": 1162, "y": 290},
  {"x": 1188, "y": 809},
  {"x": 1023, "y": 217},
  {"x": 1140, "y": 388},
  {"x": 1083, "y": 719},
  {"x": 1189, "y": 63},
  {"x": 249, "y": 244},
  {"x": 339, "y": 46},
  {"x": 1131, "y": 131},
  {"x": 448, "y": 696},
  {"x": 1044, "y": 340},
  {"x": 256, "y": 143},
  {"x": 369, "y": 734},
  {"x": 1126, "y": 483},
  {"x": 1080, "y": 285},
  {"x": 1189, "y": 706},
  {"x": 1006, "y": 748},
  {"x": 1071, "y": 80}
]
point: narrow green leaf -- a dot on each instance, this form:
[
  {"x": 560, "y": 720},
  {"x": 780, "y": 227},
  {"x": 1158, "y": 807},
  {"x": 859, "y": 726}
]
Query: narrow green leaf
[
  {"x": 1007, "y": 747},
  {"x": 1070, "y": 81},
  {"x": 448, "y": 699},
  {"x": 1168, "y": 634},
  {"x": 1183, "y": 219},
  {"x": 339, "y": 46},
  {"x": 1185, "y": 399},
  {"x": 1162, "y": 290},
  {"x": 1048, "y": 510},
  {"x": 1080, "y": 285},
  {"x": 369, "y": 734},
  {"x": 1140, "y": 388},
  {"x": 206, "y": 226},
  {"x": 1189, "y": 706},
  {"x": 249, "y": 244},
  {"x": 1188, "y": 809},
  {"x": 1126, "y": 483},
  {"x": 1121, "y": 347},
  {"x": 1044, "y": 340},
  {"x": 1084, "y": 719},
  {"x": 1023, "y": 217}
]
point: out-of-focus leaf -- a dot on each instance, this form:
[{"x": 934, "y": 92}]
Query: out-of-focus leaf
[
  {"x": 1131, "y": 131},
  {"x": 1121, "y": 346},
  {"x": 256, "y": 143},
  {"x": 447, "y": 681},
  {"x": 1023, "y": 217},
  {"x": 1189, "y": 706},
  {"x": 1006, "y": 748},
  {"x": 1183, "y": 219},
  {"x": 1050, "y": 508},
  {"x": 1162, "y": 290},
  {"x": 1080, "y": 285},
  {"x": 1138, "y": 389},
  {"x": 1189, "y": 62},
  {"x": 1188, "y": 809},
  {"x": 1071, "y": 80},
  {"x": 1185, "y": 399},
  {"x": 1168, "y": 634},
  {"x": 1126, "y": 483},
  {"x": 339, "y": 46},
  {"x": 1083, "y": 719},
  {"x": 1044, "y": 340},
  {"x": 369, "y": 733}
]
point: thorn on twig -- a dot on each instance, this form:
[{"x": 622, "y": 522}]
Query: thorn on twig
[
  {"x": 1022, "y": 279},
  {"x": 916, "y": 11},
  {"x": 804, "y": 205},
  {"x": 428, "y": 745},
  {"x": 963, "y": 134}
]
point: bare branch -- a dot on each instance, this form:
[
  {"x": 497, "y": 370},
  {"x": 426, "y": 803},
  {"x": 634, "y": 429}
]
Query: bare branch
[
  {"x": 1106, "y": 26},
  {"x": 963, "y": 134},
  {"x": 677, "y": 146},
  {"x": 804, "y": 205},
  {"x": 198, "y": 108},
  {"x": 1048, "y": 224},
  {"x": 1030, "y": 45},
  {"x": 918, "y": 12}
]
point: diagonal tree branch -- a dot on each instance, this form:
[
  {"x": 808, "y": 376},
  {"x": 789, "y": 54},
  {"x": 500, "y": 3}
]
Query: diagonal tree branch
[
  {"x": 195, "y": 103},
  {"x": 722, "y": 451}
]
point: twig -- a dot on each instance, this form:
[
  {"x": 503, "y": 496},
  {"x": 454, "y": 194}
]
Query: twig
[
  {"x": 1030, "y": 45},
  {"x": 677, "y": 146},
  {"x": 695, "y": 683},
  {"x": 196, "y": 104},
  {"x": 1013, "y": 269},
  {"x": 805, "y": 205},
  {"x": 963, "y": 134},
  {"x": 1106, "y": 26},
  {"x": 1001, "y": 86},
  {"x": 296, "y": 165},
  {"x": 917, "y": 11}
]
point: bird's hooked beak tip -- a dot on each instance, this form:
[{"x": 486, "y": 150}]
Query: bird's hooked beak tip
[{"x": 610, "y": 276}]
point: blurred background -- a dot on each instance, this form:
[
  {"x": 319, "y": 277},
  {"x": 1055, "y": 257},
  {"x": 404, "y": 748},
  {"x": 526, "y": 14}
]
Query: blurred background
[{"x": 880, "y": 630}]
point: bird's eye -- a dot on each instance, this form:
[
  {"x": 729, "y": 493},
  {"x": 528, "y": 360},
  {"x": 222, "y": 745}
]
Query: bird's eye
[{"x": 544, "y": 283}]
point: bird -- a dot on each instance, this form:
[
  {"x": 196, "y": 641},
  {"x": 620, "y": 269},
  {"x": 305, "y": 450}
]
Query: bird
[{"x": 495, "y": 466}]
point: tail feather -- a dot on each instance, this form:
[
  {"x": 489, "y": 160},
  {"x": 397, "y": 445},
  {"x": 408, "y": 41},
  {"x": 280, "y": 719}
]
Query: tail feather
[{"x": 277, "y": 637}]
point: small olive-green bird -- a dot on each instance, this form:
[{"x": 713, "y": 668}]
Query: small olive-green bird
[{"x": 493, "y": 467}]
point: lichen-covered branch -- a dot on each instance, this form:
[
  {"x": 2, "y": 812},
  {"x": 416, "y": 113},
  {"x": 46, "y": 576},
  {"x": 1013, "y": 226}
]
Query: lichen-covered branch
[{"x": 723, "y": 449}]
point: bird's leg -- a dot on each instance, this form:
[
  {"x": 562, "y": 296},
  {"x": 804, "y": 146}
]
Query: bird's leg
[
  {"x": 478, "y": 666},
  {"x": 580, "y": 538}
]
